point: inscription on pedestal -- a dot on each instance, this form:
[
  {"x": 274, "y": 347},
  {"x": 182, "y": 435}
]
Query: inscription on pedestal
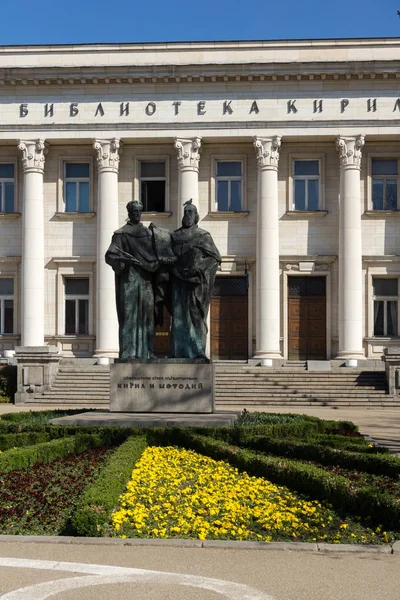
[{"x": 147, "y": 387}]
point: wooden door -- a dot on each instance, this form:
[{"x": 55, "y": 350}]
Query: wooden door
[
  {"x": 161, "y": 336},
  {"x": 229, "y": 319},
  {"x": 307, "y": 318}
]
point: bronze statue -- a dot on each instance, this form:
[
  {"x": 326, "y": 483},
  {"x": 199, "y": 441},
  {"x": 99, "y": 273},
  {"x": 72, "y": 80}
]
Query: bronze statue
[
  {"x": 154, "y": 267},
  {"x": 132, "y": 254},
  {"x": 191, "y": 285}
]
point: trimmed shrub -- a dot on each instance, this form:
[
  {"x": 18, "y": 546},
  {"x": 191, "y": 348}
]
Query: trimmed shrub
[
  {"x": 93, "y": 515},
  {"x": 21, "y": 458},
  {"x": 262, "y": 418},
  {"x": 369, "y": 463},
  {"x": 13, "y": 440},
  {"x": 375, "y": 507}
]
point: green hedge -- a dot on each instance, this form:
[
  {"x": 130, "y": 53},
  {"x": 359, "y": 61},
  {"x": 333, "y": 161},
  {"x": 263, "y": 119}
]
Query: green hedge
[
  {"x": 373, "y": 506},
  {"x": 262, "y": 418},
  {"x": 92, "y": 517},
  {"x": 369, "y": 463},
  {"x": 12, "y": 440},
  {"x": 22, "y": 458},
  {"x": 354, "y": 444},
  {"x": 111, "y": 435}
]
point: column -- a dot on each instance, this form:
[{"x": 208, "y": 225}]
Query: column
[
  {"x": 350, "y": 249},
  {"x": 107, "y": 222},
  {"x": 267, "y": 288},
  {"x": 188, "y": 172},
  {"x": 32, "y": 294}
]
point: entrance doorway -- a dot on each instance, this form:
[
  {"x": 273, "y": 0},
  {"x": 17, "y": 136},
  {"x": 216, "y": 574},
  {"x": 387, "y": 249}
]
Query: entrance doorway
[
  {"x": 307, "y": 318},
  {"x": 161, "y": 336},
  {"x": 229, "y": 319}
]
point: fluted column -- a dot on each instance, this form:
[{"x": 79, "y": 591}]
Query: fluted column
[
  {"x": 267, "y": 288},
  {"x": 350, "y": 249},
  {"x": 107, "y": 223},
  {"x": 188, "y": 172},
  {"x": 32, "y": 296}
]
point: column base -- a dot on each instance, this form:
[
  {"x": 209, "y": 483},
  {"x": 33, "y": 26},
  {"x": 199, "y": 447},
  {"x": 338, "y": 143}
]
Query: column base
[
  {"x": 99, "y": 353},
  {"x": 267, "y": 354},
  {"x": 346, "y": 354}
]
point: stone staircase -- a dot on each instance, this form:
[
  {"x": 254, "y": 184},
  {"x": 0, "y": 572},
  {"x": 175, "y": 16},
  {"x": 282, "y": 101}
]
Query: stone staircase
[
  {"x": 253, "y": 387},
  {"x": 238, "y": 385},
  {"x": 79, "y": 383}
]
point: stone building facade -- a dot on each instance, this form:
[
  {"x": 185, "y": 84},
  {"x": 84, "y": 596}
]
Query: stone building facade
[{"x": 290, "y": 149}]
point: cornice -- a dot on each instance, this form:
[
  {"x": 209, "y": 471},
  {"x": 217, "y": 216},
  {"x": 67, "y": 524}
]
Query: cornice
[{"x": 202, "y": 73}]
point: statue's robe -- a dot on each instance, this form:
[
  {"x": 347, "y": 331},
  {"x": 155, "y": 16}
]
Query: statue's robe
[
  {"x": 133, "y": 257},
  {"x": 191, "y": 286}
]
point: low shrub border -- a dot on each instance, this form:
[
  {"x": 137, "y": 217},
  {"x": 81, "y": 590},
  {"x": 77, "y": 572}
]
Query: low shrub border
[
  {"x": 376, "y": 507},
  {"x": 369, "y": 463},
  {"x": 93, "y": 515},
  {"x": 21, "y": 458},
  {"x": 12, "y": 440}
]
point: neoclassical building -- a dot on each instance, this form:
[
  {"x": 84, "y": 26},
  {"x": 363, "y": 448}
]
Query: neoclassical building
[{"x": 290, "y": 150}]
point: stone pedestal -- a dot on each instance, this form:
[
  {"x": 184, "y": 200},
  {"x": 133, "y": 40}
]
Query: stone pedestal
[
  {"x": 37, "y": 367},
  {"x": 391, "y": 357},
  {"x": 162, "y": 387}
]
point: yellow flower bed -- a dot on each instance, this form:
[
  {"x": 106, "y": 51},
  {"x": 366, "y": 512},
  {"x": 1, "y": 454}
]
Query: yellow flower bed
[{"x": 179, "y": 493}]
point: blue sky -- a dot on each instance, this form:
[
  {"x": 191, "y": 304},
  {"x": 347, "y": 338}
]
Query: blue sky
[{"x": 85, "y": 21}]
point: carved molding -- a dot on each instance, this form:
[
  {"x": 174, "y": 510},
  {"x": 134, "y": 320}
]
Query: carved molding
[
  {"x": 317, "y": 267},
  {"x": 267, "y": 151},
  {"x": 188, "y": 153},
  {"x": 33, "y": 155},
  {"x": 290, "y": 267},
  {"x": 108, "y": 152},
  {"x": 350, "y": 150}
]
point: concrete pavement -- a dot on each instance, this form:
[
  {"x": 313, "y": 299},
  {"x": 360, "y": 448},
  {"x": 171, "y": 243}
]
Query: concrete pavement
[{"x": 190, "y": 573}]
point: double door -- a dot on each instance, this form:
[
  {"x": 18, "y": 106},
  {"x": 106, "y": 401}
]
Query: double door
[{"x": 307, "y": 318}]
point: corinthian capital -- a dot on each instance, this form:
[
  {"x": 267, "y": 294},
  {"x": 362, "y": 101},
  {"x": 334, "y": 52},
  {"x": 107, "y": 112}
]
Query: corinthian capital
[
  {"x": 107, "y": 154},
  {"x": 267, "y": 151},
  {"x": 350, "y": 150},
  {"x": 33, "y": 153},
  {"x": 188, "y": 153}
]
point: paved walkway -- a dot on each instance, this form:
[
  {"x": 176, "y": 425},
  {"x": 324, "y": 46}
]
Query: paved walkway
[
  {"x": 380, "y": 424},
  {"x": 94, "y": 570}
]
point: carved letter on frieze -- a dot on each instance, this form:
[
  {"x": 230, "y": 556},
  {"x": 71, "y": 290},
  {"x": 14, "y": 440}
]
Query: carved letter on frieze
[
  {"x": 350, "y": 150},
  {"x": 188, "y": 153},
  {"x": 33, "y": 153},
  {"x": 107, "y": 154},
  {"x": 267, "y": 151}
]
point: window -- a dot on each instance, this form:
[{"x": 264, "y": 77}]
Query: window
[
  {"x": 153, "y": 185},
  {"x": 228, "y": 185},
  {"x": 384, "y": 183},
  {"x": 76, "y": 306},
  {"x": 77, "y": 187},
  {"x": 6, "y": 306},
  {"x": 7, "y": 185},
  {"x": 385, "y": 298},
  {"x": 306, "y": 185}
]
